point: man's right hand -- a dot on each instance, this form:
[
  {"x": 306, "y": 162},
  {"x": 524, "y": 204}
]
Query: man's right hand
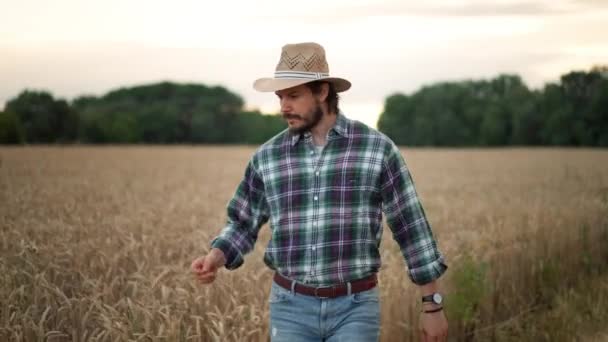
[{"x": 205, "y": 267}]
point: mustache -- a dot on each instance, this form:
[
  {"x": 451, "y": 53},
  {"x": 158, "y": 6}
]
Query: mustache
[{"x": 291, "y": 116}]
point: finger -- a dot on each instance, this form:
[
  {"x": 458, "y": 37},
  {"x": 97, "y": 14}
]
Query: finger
[
  {"x": 208, "y": 271},
  {"x": 196, "y": 265},
  {"x": 198, "y": 271},
  {"x": 430, "y": 337},
  {"x": 206, "y": 276},
  {"x": 422, "y": 335},
  {"x": 206, "y": 279},
  {"x": 206, "y": 267},
  {"x": 199, "y": 274}
]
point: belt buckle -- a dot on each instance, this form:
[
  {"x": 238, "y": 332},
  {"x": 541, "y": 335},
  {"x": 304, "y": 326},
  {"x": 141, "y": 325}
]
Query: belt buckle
[{"x": 321, "y": 288}]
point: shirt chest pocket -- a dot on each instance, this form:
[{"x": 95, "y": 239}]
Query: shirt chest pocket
[{"x": 356, "y": 186}]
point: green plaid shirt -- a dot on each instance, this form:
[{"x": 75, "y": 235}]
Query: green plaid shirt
[{"x": 326, "y": 214}]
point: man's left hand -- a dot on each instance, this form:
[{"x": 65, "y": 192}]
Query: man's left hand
[{"x": 433, "y": 326}]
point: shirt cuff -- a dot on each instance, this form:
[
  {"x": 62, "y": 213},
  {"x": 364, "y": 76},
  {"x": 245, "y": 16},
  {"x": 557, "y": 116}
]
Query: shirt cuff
[
  {"x": 427, "y": 273},
  {"x": 233, "y": 256}
]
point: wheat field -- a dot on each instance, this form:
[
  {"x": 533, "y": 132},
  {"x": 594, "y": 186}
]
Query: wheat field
[{"x": 96, "y": 242}]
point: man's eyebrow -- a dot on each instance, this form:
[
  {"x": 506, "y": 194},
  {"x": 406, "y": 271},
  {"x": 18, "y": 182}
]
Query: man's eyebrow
[{"x": 290, "y": 93}]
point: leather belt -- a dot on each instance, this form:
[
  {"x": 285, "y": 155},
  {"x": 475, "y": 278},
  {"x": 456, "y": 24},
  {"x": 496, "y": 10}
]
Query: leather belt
[{"x": 334, "y": 291}]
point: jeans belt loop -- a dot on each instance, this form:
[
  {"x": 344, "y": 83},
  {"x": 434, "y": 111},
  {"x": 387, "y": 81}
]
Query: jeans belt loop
[
  {"x": 348, "y": 285},
  {"x": 293, "y": 287}
]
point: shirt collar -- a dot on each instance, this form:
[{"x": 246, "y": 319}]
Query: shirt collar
[{"x": 341, "y": 127}]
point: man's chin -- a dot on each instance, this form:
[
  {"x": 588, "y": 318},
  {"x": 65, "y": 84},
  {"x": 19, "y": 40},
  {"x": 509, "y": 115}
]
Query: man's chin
[{"x": 297, "y": 129}]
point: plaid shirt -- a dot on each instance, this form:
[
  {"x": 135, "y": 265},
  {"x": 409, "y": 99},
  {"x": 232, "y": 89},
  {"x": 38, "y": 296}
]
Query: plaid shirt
[{"x": 326, "y": 214}]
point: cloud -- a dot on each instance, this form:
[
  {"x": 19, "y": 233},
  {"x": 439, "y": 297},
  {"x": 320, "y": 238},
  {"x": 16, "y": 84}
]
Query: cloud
[{"x": 353, "y": 11}]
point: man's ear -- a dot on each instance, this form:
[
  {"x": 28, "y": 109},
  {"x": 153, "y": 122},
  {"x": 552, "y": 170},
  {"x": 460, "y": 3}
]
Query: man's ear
[{"x": 324, "y": 92}]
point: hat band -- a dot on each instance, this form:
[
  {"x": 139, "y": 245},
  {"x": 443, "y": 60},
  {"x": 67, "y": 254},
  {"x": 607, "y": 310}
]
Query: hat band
[{"x": 300, "y": 75}]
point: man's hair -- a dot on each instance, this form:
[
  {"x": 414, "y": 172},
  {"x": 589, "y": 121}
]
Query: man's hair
[{"x": 332, "y": 99}]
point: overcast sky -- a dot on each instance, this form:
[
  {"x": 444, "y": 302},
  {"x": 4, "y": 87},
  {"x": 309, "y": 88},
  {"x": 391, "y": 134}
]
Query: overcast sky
[{"x": 77, "y": 47}]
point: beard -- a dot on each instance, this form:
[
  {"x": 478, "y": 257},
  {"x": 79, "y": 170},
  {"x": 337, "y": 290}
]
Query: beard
[{"x": 310, "y": 121}]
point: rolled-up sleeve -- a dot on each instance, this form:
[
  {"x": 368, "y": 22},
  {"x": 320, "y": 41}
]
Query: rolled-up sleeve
[
  {"x": 247, "y": 212},
  {"x": 407, "y": 220}
]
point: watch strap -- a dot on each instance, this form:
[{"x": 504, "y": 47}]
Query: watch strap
[
  {"x": 434, "y": 310},
  {"x": 428, "y": 298}
]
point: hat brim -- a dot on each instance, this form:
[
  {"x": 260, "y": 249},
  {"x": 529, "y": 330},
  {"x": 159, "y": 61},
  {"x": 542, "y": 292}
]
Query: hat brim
[{"x": 274, "y": 84}]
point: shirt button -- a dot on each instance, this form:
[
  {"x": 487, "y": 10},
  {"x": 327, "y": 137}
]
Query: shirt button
[
  {"x": 312, "y": 152},
  {"x": 312, "y": 273},
  {"x": 314, "y": 248},
  {"x": 317, "y": 173},
  {"x": 316, "y": 198}
]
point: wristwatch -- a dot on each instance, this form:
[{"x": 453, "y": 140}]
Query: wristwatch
[{"x": 436, "y": 298}]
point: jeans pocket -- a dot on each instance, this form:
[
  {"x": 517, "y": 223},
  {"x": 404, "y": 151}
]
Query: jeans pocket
[
  {"x": 370, "y": 295},
  {"x": 278, "y": 295}
]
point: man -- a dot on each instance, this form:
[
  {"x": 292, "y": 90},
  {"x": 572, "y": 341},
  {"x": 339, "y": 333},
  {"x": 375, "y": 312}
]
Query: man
[{"x": 323, "y": 183}]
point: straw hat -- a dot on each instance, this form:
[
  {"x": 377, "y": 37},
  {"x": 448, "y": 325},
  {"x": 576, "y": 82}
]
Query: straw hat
[{"x": 300, "y": 63}]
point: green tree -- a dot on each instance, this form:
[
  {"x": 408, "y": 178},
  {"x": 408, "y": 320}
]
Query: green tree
[
  {"x": 10, "y": 129},
  {"x": 502, "y": 111},
  {"x": 558, "y": 117},
  {"x": 161, "y": 113},
  {"x": 396, "y": 121},
  {"x": 42, "y": 118},
  {"x": 255, "y": 127},
  {"x": 586, "y": 94}
]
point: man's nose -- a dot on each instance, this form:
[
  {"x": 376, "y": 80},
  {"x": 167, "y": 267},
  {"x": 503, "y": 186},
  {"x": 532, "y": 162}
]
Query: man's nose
[{"x": 285, "y": 106}]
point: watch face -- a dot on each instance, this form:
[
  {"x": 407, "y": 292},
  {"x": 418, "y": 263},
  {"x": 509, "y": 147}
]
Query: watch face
[{"x": 437, "y": 298}]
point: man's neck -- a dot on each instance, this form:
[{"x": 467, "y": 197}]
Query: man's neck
[{"x": 319, "y": 132}]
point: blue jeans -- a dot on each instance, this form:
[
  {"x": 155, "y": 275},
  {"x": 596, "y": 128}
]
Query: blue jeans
[{"x": 299, "y": 318}]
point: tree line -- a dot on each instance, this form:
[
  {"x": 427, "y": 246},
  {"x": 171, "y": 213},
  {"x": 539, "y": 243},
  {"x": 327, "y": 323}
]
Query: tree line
[
  {"x": 502, "y": 111},
  {"x": 496, "y": 112},
  {"x": 161, "y": 113}
]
